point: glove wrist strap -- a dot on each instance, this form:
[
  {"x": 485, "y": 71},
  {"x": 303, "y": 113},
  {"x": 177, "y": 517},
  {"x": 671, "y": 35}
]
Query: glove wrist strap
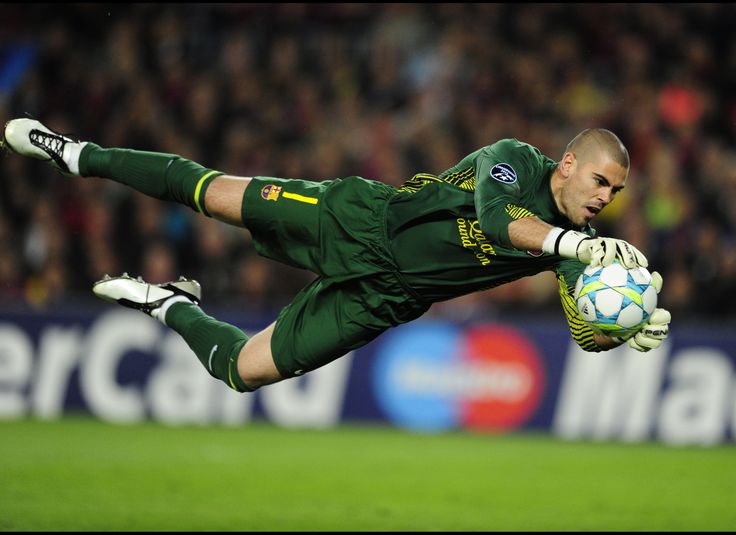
[{"x": 563, "y": 242}]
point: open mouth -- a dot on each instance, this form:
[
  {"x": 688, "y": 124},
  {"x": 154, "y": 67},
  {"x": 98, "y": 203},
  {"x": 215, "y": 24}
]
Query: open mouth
[{"x": 592, "y": 210}]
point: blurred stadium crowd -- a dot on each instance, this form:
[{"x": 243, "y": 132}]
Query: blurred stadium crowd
[{"x": 383, "y": 91}]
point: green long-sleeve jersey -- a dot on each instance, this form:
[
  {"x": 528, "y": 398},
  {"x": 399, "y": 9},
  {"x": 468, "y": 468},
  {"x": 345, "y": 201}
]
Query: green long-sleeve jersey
[{"x": 449, "y": 233}]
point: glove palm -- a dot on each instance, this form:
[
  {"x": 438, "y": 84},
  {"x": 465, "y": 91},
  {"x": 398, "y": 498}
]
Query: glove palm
[{"x": 655, "y": 330}]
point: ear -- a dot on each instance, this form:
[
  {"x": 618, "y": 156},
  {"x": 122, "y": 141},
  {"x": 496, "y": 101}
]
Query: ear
[{"x": 567, "y": 164}]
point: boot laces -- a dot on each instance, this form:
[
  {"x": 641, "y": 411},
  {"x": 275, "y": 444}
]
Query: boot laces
[{"x": 51, "y": 144}]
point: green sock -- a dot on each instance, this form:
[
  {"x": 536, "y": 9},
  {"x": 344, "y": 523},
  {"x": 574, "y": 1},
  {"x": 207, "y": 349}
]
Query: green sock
[
  {"x": 217, "y": 344},
  {"x": 163, "y": 176}
]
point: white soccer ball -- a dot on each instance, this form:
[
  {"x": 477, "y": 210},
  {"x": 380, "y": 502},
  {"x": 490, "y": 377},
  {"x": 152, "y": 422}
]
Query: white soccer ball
[{"x": 614, "y": 300}]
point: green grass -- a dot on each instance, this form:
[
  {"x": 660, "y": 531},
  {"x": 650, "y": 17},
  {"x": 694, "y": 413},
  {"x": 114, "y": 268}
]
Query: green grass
[{"x": 84, "y": 475}]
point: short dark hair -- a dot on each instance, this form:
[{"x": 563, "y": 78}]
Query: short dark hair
[{"x": 599, "y": 140}]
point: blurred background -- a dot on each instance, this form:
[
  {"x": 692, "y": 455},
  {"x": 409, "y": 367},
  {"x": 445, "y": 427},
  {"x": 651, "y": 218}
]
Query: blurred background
[
  {"x": 383, "y": 91},
  {"x": 484, "y": 414}
]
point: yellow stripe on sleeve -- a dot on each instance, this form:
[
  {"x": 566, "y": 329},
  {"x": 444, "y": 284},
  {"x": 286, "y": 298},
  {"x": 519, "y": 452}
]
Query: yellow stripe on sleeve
[
  {"x": 517, "y": 212},
  {"x": 580, "y": 331}
]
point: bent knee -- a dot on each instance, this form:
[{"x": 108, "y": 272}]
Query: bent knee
[
  {"x": 255, "y": 362},
  {"x": 255, "y": 380}
]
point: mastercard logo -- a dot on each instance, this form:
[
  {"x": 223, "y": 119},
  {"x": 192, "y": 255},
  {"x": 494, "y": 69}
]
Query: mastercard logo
[{"x": 434, "y": 376}]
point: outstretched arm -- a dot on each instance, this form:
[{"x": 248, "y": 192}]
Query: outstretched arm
[{"x": 531, "y": 233}]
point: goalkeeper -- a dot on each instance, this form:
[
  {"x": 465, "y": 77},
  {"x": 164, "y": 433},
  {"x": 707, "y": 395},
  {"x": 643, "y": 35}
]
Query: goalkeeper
[{"x": 382, "y": 254}]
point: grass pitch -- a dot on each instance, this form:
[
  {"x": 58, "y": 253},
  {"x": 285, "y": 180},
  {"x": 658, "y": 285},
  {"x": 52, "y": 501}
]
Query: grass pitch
[{"x": 85, "y": 475}]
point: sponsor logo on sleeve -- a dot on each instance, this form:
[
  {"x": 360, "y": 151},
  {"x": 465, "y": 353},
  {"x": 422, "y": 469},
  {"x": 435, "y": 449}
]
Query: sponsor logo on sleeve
[{"x": 503, "y": 172}]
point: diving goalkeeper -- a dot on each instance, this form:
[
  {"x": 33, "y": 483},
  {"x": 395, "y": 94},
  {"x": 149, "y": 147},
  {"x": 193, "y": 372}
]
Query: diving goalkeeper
[{"x": 382, "y": 254}]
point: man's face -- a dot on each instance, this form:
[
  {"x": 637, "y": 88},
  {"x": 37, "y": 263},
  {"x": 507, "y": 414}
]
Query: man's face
[{"x": 590, "y": 185}]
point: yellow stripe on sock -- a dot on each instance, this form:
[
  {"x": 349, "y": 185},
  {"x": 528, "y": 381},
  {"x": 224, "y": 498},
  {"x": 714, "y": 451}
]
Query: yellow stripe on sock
[
  {"x": 300, "y": 198},
  {"x": 198, "y": 190},
  {"x": 230, "y": 379}
]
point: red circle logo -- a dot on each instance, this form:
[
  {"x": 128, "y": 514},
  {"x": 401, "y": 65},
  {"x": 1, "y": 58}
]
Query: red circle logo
[{"x": 507, "y": 378}]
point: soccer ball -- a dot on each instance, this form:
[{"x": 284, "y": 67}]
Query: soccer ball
[{"x": 615, "y": 301}]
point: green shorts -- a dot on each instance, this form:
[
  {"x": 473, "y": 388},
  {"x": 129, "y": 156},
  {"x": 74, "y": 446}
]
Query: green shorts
[{"x": 336, "y": 229}]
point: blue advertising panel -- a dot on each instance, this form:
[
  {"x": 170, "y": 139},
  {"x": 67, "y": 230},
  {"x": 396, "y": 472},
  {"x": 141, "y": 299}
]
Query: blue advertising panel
[{"x": 428, "y": 376}]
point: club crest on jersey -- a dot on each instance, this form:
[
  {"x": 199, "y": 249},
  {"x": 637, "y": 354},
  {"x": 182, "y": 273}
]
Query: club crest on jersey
[
  {"x": 535, "y": 254},
  {"x": 503, "y": 172},
  {"x": 271, "y": 192}
]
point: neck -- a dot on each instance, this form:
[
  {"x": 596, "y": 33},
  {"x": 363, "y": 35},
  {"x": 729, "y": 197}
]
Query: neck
[{"x": 555, "y": 184}]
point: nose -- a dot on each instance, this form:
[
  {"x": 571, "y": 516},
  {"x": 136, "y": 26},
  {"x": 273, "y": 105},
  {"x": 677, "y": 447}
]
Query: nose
[{"x": 605, "y": 195}]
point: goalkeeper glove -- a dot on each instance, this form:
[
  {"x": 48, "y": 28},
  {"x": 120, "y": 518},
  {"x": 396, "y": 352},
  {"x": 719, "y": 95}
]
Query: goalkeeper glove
[
  {"x": 593, "y": 251},
  {"x": 654, "y": 332}
]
